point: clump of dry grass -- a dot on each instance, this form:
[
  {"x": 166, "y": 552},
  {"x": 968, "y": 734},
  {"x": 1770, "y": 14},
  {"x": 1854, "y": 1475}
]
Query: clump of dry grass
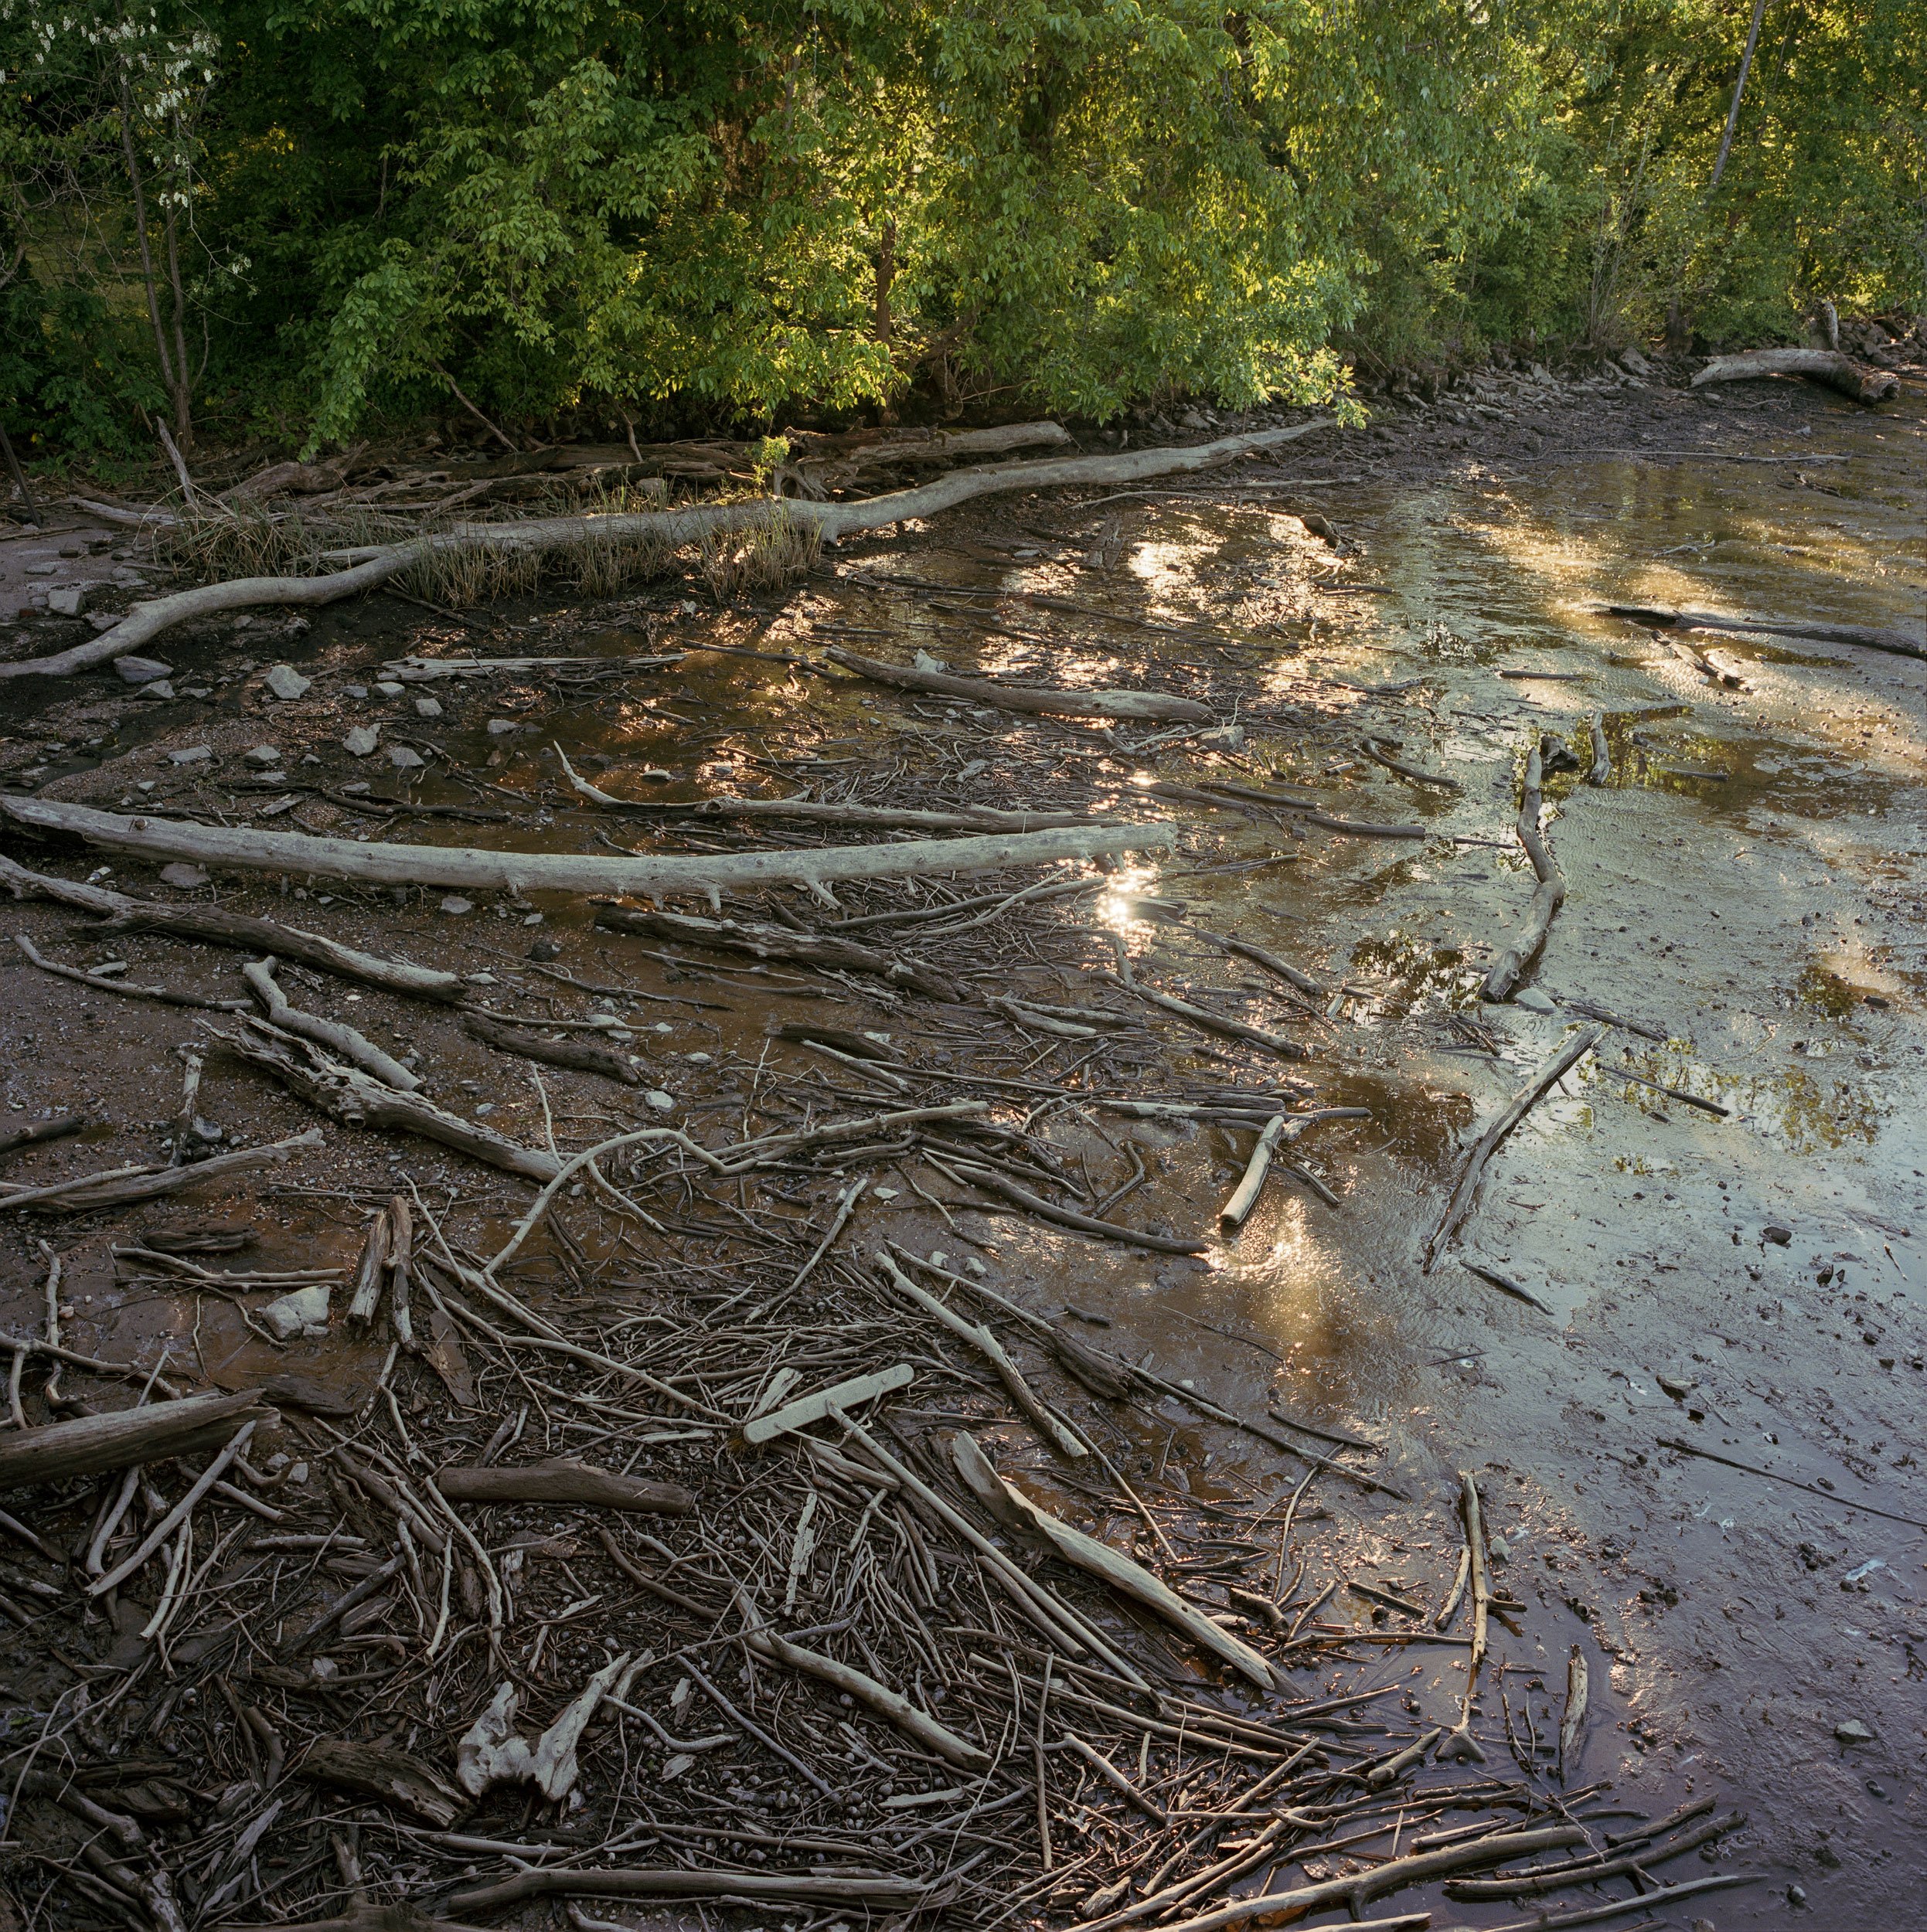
[{"x": 767, "y": 556}]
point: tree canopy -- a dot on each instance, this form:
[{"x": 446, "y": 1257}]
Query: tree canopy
[{"x": 310, "y": 216}]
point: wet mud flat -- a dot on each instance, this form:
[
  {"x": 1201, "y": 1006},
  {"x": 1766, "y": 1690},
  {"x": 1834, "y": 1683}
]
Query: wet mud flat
[{"x": 1278, "y": 1427}]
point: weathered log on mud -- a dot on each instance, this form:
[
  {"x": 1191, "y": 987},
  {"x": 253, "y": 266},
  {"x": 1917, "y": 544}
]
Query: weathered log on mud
[
  {"x": 92, "y": 1445},
  {"x": 565, "y": 1480},
  {"x": 369, "y": 569},
  {"x": 478, "y": 868},
  {"x": 1547, "y": 896},
  {"x": 1828, "y": 366},
  {"x": 1154, "y": 705}
]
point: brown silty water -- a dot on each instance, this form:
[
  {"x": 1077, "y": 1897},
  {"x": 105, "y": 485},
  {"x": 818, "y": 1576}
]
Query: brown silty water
[{"x": 1744, "y": 888}]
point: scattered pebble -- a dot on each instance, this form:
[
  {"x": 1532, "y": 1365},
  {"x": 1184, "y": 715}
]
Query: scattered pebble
[
  {"x": 1534, "y": 1000},
  {"x": 427, "y": 707},
  {"x": 285, "y": 682},
  {"x": 404, "y": 759},
  {"x": 186, "y": 877},
  {"x": 452, "y": 904},
  {"x": 501, "y": 727},
  {"x": 361, "y": 740},
  {"x": 142, "y": 670},
  {"x": 191, "y": 755},
  {"x": 1850, "y": 1730},
  {"x": 660, "y": 1101},
  {"x": 389, "y": 689},
  {"x": 1779, "y": 1236},
  {"x": 263, "y": 755}
]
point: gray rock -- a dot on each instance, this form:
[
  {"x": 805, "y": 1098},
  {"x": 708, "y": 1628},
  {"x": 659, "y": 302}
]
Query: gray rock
[
  {"x": 660, "y": 1101},
  {"x": 185, "y": 877},
  {"x": 285, "y": 682},
  {"x": 142, "y": 670},
  {"x": 361, "y": 740},
  {"x": 354, "y": 690},
  {"x": 1637, "y": 363},
  {"x": 304, "y": 1312},
  {"x": 1850, "y": 1730},
  {"x": 71, "y": 600},
  {"x": 427, "y": 707},
  {"x": 501, "y": 727},
  {"x": 458, "y": 906},
  {"x": 191, "y": 755},
  {"x": 1534, "y": 1000},
  {"x": 388, "y": 688},
  {"x": 404, "y": 759},
  {"x": 263, "y": 755},
  {"x": 41, "y": 570},
  {"x": 159, "y": 689},
  {"x": 1778, "y": 1235}
]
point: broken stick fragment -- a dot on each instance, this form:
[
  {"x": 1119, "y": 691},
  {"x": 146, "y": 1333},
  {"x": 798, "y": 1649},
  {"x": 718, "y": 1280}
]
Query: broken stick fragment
[
  {"x": 565, "y": 1479},
  {"x": 843, "y": 1395}
]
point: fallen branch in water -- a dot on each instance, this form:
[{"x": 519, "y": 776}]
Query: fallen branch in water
[
  {"x": 477, "y": 868},
  {"x": 1866, "y": 636},
  {"x": 1032, "y": 699},
  {"x": 1548, "y": 896},
  {"x": 1828, "y": 365},
  {"x": 369, "y": 569},
  {"x": 1514, "y": 1110}
]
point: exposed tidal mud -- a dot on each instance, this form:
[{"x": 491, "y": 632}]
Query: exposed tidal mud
[{"x": 1744, "y": 898}]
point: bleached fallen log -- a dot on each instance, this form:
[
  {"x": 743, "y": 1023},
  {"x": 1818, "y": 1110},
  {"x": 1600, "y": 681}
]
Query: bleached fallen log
[
  {"x": 884, "y": 1702},
  {"x": 370, "y": 568},
  {"x": 1034, "y": 698},
  {"x": 1828, "y": 365},
  {"x": 220, "y": 927},
  {"x": 1012, "y": 1506},
  {"x": 347, "y": 1094},
  {"x": 479, "y": 869},
  {"x": 336, "y": 1036},
  {"x": 845, "y": 1395},
  {"x": 813, "y": 811}
]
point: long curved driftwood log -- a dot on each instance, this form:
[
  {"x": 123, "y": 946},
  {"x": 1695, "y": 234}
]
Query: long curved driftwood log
[
  {"x": 369, "y": 569},
  {"x": 1866, "y": 636},
  {"x": 1547, "y": 896},
  {"x": 1828, "y": 366},
  {"x": 475, "y": 867},
  {"x": 1152, "y": 704}
]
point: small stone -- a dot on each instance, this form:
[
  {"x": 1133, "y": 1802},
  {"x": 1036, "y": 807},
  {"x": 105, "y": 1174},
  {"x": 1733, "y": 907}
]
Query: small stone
[
  {"x": 1796, "y": 1895},
  {"x": 187, "y": 877},
  {"x": 41, "y": 570},
  {"x": 1500, "y": 1550},
  {"x": 458, "y": 906},
  {"x": 482, "y": 979},
  {"x": 388, "y": 688},
  {"x": 404, "y": 759},
  {"x": 487, "y": 1106},
  {"x": 1850, "y": 1730},
  {"x": 358, "y": 788},
  {"x": 304, "y": 1312},
  {"x": 354, "y": 690},
  {"x": 501, "y": 727},
  {"x": 885, "y": 1193},
  {"x": 427, "y": 707},
  {"x": 159, "y": 689},
  {"x": 71, "y": 599},
  {"x": 1534, "y": 1000},
  {"x": 543, "y": 951},
  {"x": 285, "y": 682},
  {"x": 1674, "y": 1386},
  {"x": 361, "y": 740},
  {"x": 142, "y": 670},
  {"x": 1634, "y": 363},
  {"x": 1223, "y": 737},
  {"x": 263, "y": 755},
  {"x": 660, "y": 1101},
  {"x": 975, "y": 1268},
  {"x": 924, "y": 662},
  {"x": 532, "y": 919},
  {"x": 1778, "y": 1237},
  {"x": 191, "y": 755}
]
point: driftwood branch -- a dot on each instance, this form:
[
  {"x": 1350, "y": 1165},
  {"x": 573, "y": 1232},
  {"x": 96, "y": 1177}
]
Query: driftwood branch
[
  {"x": 585, "y": 1055},
  {"x": 220, "y": 927},
  {"x": 347, "y": 1094},
  {"x": 1547, "y": 896},
  {"x": 104, "y": 983},
  {"x": 471, "y": 866},
  {"x": 117, "y": 1187},
  {"x": 334, "y": 1035},
  {"x": 565, "y": 1480},
  {"x": 369, "y": 569},
  {"x": 1828, "y": 366},
  {"x": 777, "y": 942},
  {"x": 1509, "y": 1115},
  {"x": 1865, "y": 637},
  {"x": 1151, "y": 705}
]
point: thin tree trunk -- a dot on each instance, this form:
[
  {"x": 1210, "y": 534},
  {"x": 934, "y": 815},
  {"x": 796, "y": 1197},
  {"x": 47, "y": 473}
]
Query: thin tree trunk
[
  {"x": 886, "y": 275},
  {"x": 140, "y": 228},
  {"x": 1739, "y": 89},
  {"x": 183, "y": 382}
]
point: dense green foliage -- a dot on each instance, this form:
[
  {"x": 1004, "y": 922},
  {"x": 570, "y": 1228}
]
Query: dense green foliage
[{"x": 309, "y": 216}]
